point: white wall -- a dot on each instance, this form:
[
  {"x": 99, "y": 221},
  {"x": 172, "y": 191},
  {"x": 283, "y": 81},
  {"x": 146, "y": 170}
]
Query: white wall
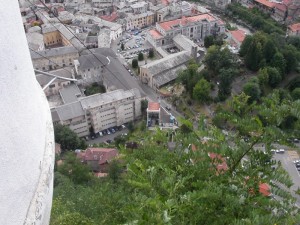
[{"x": 26, "y": 132}]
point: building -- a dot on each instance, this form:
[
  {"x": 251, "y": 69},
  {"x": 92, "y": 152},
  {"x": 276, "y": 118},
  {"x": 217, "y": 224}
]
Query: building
[
  {"x": 90, "y": 67},
  {"x": 102, "y": 3},
  {"x": 165, "y": 70},
  {"x": 35, "y": 41},
  {"x": 26, "y": 133},
  {"x": 294, "y": 29},
  {"x": 98, "y": 158},
  {"x": 159, "y": 116},
  {"x": 237, "y": 37},
  {"x": 60, "y": 57},
  {"x": 99, "y": 111},
  {"x": 58, "y": 84},
  {"x": 174, "y": 11},
  {"x": 138, "y": 21},
  {"x": 194, "y": 27}
]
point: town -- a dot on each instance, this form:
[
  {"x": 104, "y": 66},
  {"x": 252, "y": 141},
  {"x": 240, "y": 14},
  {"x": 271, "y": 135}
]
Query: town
[{"x": 145, "y": 94}]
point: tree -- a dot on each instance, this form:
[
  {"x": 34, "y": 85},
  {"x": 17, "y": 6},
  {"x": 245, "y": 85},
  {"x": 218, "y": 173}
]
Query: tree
[
  {"x": 245, "y": 45},
  {"x": 254, "y": 56},
  {"x": 135, "y": 63},
  {"x": 252, "y": 89},
  {"x": 144, "y": 106},
  {"x": 292, "y": 57},
  {"x": 269, "y": 50},
  {"x": 141, "y": 56},
  {"x": 274, "y": 76},
  {"x": 114, "y": 171},
  {"x": 263, "y": 76},
  {"x": 72, "y": 167},
  {"x": 95, "y": 88},
  {"x": 122, "y": 46},
  {"x": 296, "y": 93},
  {"x": 151, "y": 53},
  {"x": 279, "y": 62},
  {"x": 208, "y": 41},
  {"x": 226, "y": 77},
  {"x": 68, "y": 138},
  {"x": 201, "y": 91}
]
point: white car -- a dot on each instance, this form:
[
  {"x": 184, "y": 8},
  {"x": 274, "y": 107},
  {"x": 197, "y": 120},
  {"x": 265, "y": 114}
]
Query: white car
[
  {"x": 100, "y": 133},
  {"x": 108, "y": 132},
  {"x": 296, "y": 161},
  {"x": 281, "y": 150}
]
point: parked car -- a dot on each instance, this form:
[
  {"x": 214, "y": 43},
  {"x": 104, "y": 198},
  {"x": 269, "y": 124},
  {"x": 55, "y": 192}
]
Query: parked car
[
  {"x": 296, "y": 161},
  {"x": 123, "y": 126},
  {"x": 108, "y": 141},
  {"x": 108, "y": 132},
  {"x": 100, "y": 133},
  {"x": 281, "y": 150},
  {"x": 297, "y": 165},
  {"x": 112, "y": 130}
]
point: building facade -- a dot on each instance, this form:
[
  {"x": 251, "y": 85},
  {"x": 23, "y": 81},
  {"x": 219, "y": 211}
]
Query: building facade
[
  {"x": 138, "y": 21},
  {"x": 195, "y": 27},
  {"x": 99, "y": 111},
  {"x": 60, "y": 57}
]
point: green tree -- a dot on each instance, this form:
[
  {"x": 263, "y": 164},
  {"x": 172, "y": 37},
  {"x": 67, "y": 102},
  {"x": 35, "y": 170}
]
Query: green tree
[
  {"x": 141, "y": 56},
  {"x": 226, "y": 77},
  {"x": 151, "y": 53},
  {"x": 208, "y": 41},
  {"x": 269, "y": 50},
  {"x": 274, "y": 76},
  {"x": 245, "y": 45},
  {"x": 95, "y": 88},
  {"x": 72, "y": 167},
  {"x": 254, "y": 56},
  {"x": 252, "y": 89},
  {"x": 135, "y": 63},
  {"x": 263, "y": 76},
  {"x": 201, "y": 91},
  {"x": 114, "y": 171},
  {"x": 279, "y": 62},
  {"x": 68, "y": 138},
  {"x": 122, "y": 46},
  {"x": 296, "y": 93},
  {"x": 144, "y": 106},
  {"x": 292, "y": 57}
]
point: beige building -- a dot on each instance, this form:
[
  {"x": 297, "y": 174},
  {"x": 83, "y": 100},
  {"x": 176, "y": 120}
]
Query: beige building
[
  {"x": 194, "y": 27},
  {"x": 60, "y": 57},
  {"x": 99, "y": 111},
  {"x": 140, "y": 20}
]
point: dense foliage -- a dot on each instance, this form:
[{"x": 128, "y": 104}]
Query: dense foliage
[
  {"x": 186, "y": 187},
  {"x": 67, "y": 138},
  {"x": 95, "y": 88}
]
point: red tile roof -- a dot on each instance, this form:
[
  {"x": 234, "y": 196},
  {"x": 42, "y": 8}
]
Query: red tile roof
[
  {"x": 218, "y": 161},
  {"x": 184, "y": 20},
  {"x": 153, "y": 106},
  {"x": 110, "y": 18},
  {"x": 238, "y": 35},
  {"x": 266, "y": 3},
  {"x": 264, "y": 189},
  {"x": 102, "y": 155},
  {"x": 155, "y": 34},
  {"x": 280, "y": 7},
  {"x": 295, "y": 27}
]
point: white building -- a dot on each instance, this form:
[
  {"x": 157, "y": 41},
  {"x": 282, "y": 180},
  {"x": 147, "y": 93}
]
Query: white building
[
  {"x": 139, "y": 7},
  {"x": 100, "y": 111},
  {"x": 35, "y": 41}
]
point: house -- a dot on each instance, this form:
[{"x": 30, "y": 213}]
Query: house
[
  {"x": 237, "y": 36},
  {"x": 294, "y": 29},
  {"x": 98, "y": 158}
]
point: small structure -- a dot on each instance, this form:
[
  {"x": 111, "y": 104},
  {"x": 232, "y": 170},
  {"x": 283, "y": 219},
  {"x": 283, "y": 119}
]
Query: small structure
[
  {"x": 237, "y": 37},
  {"x": 294, "y": 29},
  {"x": 98, "y": 158},
  {"x": 153, "y": 114}
]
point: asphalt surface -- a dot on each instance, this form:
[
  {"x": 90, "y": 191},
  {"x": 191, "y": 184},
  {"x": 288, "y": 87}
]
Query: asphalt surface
[{"x": 107, "y": 137}]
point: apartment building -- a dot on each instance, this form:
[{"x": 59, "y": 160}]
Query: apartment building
[
  {"x": 140, "y": 20},
  {"x": 99, "y": 111},
  {"x": 294, "y": 29},
  {"x": 194, "y": 27},
  {"x": 140, "y": 7},
  {"x": 54, "y": 58}
]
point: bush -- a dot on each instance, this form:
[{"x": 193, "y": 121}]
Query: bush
[
  {"x": 135, "y": 63},
  {"x": 151, "y": 53},
  {"x": 140, "y": 57}
]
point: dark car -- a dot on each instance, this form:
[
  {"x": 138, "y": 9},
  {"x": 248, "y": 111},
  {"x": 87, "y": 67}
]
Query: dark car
[
  {"x": 297, "y": 165},
  {"x": 108, "y": 141},
  {"x": 104, "y": 132}
]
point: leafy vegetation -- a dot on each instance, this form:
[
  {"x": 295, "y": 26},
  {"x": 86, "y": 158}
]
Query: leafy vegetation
[
  {"x": 185, "y": 186},
  {"x": 140, "y": 56},
  {"x": 67, "y": 138},
  {"x": 95, "y": 88},
  {"x": 135, "y": 63}
]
